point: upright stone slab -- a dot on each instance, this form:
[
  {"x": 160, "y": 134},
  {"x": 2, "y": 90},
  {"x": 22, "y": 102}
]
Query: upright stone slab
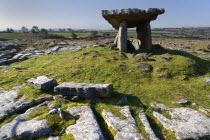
[
  {"x": 122, "y": 37},
  {"x": 144, "y": 34}
]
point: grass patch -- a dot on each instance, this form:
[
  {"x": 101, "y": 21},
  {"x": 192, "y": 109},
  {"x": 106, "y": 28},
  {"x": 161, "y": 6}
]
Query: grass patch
[{"x": 32, "y": 94}]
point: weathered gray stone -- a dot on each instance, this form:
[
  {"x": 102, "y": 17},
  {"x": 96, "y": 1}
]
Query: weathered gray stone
[
  {"x": 20, "y": 127},
  {"x": 136, "y": 44},
  {"x": 204, "y": 110},
  {"x": 86, "y": 127},
  {"x": 8, "y": 106},
  {"x": 147, "y": 126},
  {"x": 122, "y": 37},
  {"x": 144, "y": 66},
  {"x": 126, "y": 129},
  {"x": 54, "y": 138},
  {"x": 84, "y": 90},
  {"x": 43, "y": 82},
  {"x": 184, "y": 102},
  {"x": 207, "y": 80},
  {"x": 187, "y": 123},
  {"x": 123, "y": 100},
  {"x": 144, "y": 34},
  {"x": 53, "y": 49},
  {"x": 162, "y": 75},
  {"x": 133, "y": 16}
]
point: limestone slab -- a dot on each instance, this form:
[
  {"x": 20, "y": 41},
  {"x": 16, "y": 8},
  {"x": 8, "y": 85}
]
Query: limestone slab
[
  {"x": 187, "y": 123},
  {"x": 84, "y": 90},
  {"x": 86, "y": 127},
  {"x": 126, "y": 129},
  {"x": 19, "y": 127}
]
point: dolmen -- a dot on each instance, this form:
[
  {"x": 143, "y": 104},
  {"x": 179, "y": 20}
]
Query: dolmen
[{"x": 121, "y": 19}]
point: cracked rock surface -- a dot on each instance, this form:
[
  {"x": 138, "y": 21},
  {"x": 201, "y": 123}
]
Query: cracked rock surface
[
  {"x": 23, "y": 128},
  {"x": 86, "y": 127},
  {"x": 126, "y": 129},
  {"x": 8, "y": 106},
  {"x": 187, "y": 123}
]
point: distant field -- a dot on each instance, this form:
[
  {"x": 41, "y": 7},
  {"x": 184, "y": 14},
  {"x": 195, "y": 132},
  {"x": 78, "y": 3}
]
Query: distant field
[
  {"x": 19, "y": 36},
  {"x": 191, "y": 33}
]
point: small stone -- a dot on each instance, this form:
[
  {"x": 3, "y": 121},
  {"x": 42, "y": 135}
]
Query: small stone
[
  {"x": 131, "y": 70},
  {"x": 54, "y": 138},
  {"x": 60, "y": 112},
  {"x": 144, "y": 66},
  {"x": 207, "y": 80},
  {"x": 85, "y": 53},
  {"x": 75, "y": 98},
  {"x": 162, "y": 75},
  {"x": 53, "y": 111},
  {"x": 204, "y": 110},
  {"x": 123, "y": 100},
  {"x": 52, "y": 106},
  {"x": 164, "y": 59},
  {"x": 183, "y": 101},
  {"x": 43, "y": 82}
]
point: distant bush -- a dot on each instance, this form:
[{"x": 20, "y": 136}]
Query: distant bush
[
  {"x": 52, "y": 36},
  {"x": 73, "y": 35},
  {"x": 93, "y": 34},
  {"x": 106, "y": 34}
]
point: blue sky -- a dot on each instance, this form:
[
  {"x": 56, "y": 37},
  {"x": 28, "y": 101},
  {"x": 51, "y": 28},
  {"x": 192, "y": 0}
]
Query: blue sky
[{"x": 86, "y": 14}]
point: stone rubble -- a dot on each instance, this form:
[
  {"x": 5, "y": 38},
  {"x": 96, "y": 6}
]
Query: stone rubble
[
  {"x": 187, "y": 123},
  {"x": 86, "y": 127},
  {"x": 84, "y": 90},
  {"x": 126, "y": 129},
  {"x": 20, "y": 127}
]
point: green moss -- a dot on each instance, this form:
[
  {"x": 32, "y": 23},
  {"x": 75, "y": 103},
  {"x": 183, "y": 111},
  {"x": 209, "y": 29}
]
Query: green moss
[
  {"x": 67, "y": 137},
  {"x": 32, "y": 93},
  {"x": 5, "y": 120},
  {"x": 41, "y": 112}
]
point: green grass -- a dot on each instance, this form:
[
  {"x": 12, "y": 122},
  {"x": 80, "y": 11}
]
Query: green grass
[{"x": 102, "y": 65}]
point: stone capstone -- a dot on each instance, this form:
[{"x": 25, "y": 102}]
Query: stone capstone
[
  {"x": 86, "y": 127},
  {"x": 20, "y": 127},
  {"x": 84, "y": 90},
  {"x": 187, "y": 123},
  {"x": 126, "y": 129},
  {"x": 43, "y": 82},
  {"x": 133, "y": 16}
]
